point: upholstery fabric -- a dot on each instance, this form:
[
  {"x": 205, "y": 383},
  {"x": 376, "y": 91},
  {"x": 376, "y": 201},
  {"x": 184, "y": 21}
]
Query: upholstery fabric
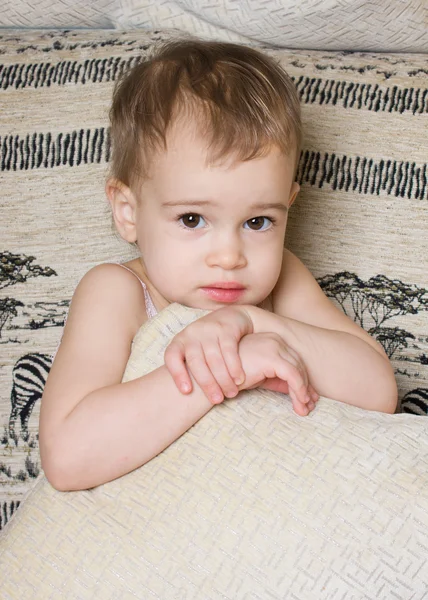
[
  {"x": 253, "y": 502},
  {"x": 359, "y": 222},
  {"x": 393, "y": 26}
]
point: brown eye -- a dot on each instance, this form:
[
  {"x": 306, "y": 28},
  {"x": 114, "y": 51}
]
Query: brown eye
[
  {"x": 258, "y": 223},
  {"x": 192, "y": 221}
]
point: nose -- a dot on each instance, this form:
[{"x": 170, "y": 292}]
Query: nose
[{"x": 227, "y": 252}]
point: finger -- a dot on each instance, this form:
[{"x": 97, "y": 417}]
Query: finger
[
  {"x": 311, "y": 405},
  {"x": 275, "y": 385},
  {"x": 302, "y": 409},
  {"x": 298, "y": 407},
  {"x": 296, "y": 377},
  {"x": 175, "y": 363},
  {"x": 196, "y": 363},
  {"x": 230, "y": 352},
  {"x": 217, "y": 365},
  {"x": 314, "y": 395}
]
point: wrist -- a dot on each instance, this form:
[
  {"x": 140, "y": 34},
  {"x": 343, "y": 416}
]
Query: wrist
[
  {"x": 262, "y": 320},
  {"x": 245, "y": 314},
  {"x": 265, "y": 321}
]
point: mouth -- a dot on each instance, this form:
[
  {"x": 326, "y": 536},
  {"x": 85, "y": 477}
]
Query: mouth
[
  {"x": 224, "y": 291},
  {"x": 226, "y": 285}
]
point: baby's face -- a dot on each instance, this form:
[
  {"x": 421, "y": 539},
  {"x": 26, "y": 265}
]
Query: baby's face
[{"x": 213, "y": 235}]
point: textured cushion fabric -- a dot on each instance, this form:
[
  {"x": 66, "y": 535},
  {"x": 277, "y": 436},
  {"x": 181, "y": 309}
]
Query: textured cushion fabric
[
  {"x": 369, "y": 25},
  {"x": 386, "y": 26},
  {"x": 252, "y": 502},
  {"x": 359, "y": 223},
  {"x": 59, "y": 13}
]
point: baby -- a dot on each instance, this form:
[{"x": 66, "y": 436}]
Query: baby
[{"x": 206, "y": 140}]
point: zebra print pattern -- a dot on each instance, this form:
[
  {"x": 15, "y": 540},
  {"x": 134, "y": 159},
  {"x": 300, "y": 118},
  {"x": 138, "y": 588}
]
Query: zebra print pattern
[
  {"x": 7, "y": 510},
  {"x": 28, "y": 380},
  {"x": 416, "y": 402}
]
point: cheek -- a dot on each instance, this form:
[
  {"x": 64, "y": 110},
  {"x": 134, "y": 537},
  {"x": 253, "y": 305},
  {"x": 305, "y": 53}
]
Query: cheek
[
  {"x": 274, "y": 262},
  {"x": 166, "y": 260},
  {"x": 153, "y": 240},
  {"x": 269, "y": 250}
]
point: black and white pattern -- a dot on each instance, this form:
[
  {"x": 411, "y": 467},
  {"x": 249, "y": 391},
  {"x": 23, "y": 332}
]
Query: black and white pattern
[
  {"x": 416, "y": 402},
  {"x": 28, "y": 380},
  {"x": 7, "y": 510}
]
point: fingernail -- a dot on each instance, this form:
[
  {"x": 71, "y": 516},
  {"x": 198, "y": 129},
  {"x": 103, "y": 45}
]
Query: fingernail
[
  {"x": 216, "y": 398},
  {"x": 239, "y": 380},
  {"x": 185, "y": 387}
]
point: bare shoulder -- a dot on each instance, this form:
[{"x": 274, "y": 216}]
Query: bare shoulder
[
  {"x": 297, "y": 295},
  {"x": 113, "y": 293},
  {"x": 106, "y": 311}
]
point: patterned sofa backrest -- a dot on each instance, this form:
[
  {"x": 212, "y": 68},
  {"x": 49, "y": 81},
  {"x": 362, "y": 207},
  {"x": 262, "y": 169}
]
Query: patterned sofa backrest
[{"x": 359, "y": 222}]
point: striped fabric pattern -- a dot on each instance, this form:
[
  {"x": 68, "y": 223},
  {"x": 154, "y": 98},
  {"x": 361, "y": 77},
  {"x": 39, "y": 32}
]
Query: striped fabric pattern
[{"x": 360, "y": 221}]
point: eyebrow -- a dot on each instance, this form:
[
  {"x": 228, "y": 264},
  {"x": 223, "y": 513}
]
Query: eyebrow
[{"x": 200, "y": 203}]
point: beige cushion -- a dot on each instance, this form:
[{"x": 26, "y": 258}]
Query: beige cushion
[
  {"x": 252, "y": 502},
  {"x": 360, "y": 222},
  {"x": 368, "y": 25}
]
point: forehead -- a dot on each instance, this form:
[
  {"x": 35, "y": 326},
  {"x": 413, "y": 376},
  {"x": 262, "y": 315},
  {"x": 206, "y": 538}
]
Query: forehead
[{"x": 184, "y": 166}]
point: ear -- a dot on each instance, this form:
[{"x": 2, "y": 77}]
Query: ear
[
  {"x": 295, "y": 189},
  {"x": 123, "y": 205}
]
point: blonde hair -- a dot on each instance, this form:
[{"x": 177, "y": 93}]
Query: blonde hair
[{"x": 242, "y": 100}]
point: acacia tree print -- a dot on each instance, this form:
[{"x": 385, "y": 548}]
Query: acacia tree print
[
  {"x": 17, "y": 268},
  {"x": 7, "y": 310},
  {"x": 392, "y": 338},
  {"x": 377, "y": 300}
]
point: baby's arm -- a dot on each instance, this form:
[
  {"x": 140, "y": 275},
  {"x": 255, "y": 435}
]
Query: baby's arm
[
  {"x": 343, "y": 361},
  {"x": 340, "y": 365},
  {"x": 93, "y": 428}
]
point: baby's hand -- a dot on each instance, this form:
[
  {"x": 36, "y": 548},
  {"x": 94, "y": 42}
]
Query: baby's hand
[
  {"x": 269, "y": 363},
  {"x": 208, "y": 348}
]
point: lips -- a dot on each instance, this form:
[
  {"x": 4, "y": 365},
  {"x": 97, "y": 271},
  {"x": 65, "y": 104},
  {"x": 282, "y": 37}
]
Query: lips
[
  {"x": 225, "y": 292},
  {"x": 226, "y": 285}
]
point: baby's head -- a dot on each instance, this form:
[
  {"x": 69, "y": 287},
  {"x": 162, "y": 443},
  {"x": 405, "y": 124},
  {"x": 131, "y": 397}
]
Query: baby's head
[{"x": 205, "y": 143}]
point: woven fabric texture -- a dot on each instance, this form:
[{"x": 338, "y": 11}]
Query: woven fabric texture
[
  {"x": 252, "y": 502},
  {"x": 383, "y": 26},
  {"x": 359, "y": 223},
  {"x": 393, "y": 26}
]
